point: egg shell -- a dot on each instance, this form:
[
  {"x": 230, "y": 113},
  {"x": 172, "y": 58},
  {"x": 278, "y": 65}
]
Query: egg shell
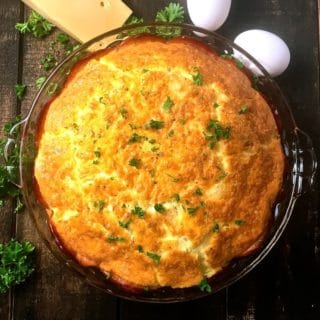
[
  {"x": 209, "y": 14},
  {"x": 267, "y": 48}
]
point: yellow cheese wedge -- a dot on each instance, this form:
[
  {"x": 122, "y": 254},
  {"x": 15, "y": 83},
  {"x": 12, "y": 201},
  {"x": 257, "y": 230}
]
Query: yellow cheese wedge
[{"x": 82, "y": 19}]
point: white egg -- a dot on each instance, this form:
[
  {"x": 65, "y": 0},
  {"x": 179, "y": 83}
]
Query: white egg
[
  {"x": 267, "y": 48},
  {"x": 209, "y": 14}
]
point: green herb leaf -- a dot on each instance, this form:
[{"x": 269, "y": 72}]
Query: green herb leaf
[
  {"x": 112, "y": 239},
  {"x": 48, "y": 61},
  {"x": 176, "y": 197},
  {"x": 16, "y": 263},
  {"x": 205, "y": 286},
  {"x": 139, "y": 248},
  {"x": 216, "y": 132},
  {"x": 20, "y": 90},
  {"x": 133, "y": 20},
  {"x": 138, "y": 211},
  {"x": 124, "y": 224},
  {"x": 197, "y": 77},
  {"x": 62, "y": 38},
  {"x": 227, "y": 56},
  {"x": 36, "y": 25},
  {"x": 99, "y": 204},
  {"x": 159, "y": 207},
  {"x": 134, "y": 162},
  {"x": 97, "y": 153},
  {"x": 155, "y": 257},
  {"x": 239, "y": 222},
  {"x": 171, "y": 133},
  {"x": 216, "y": 105},
  {"x": 174, "y": 12},
  {"x": 155, "y": 124},
  {"x": 239, "y": 64},
  {"x": 135, "y": 138},
  {"x": 243, "y": 109},
  {"x": 216, "y": 228},
  {"x": 168, "y": 104},
  {"x": 192, "y": 211},
  {"x": 124, "y": 113},
  {"x": 198, "y": 192},
  {"x": 40, "y": 81}
]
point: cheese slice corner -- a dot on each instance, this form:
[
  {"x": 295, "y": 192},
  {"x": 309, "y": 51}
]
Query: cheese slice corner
[{"x": 82, "y": 19}]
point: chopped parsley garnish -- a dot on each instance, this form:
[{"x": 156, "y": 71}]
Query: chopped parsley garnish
[
  {"x": 145, "y": 70},
  {"x": 152, "y": 173},
  {"x": 36, "y": 25},
  {"x": 154, "y": 149},
  {"x": 139, "y": 248},
  {"x": 155, "y": 124},
  {"x": 155, "y": 257},
  {"x": 152, "y": 141},
  {"x": 20, "y": 90},
  {"x": 95, "y": 161},
  {"x": 99, "y": 204},
  {"x": 16, "y": 263},
  {"x": 112, "y": 239},
  {"x": 216, "y": 133},
  {"x": 198, "y": 192},
  {"x": 205, "y": 286},
  {"x": 62, "y": 38},
  {"x": 159, "y": 207},
  {"x": 48, "y": 61},
  {"x": 40, "y": 81},
  {"x": 171, "y": 133},
  {"x": 134, "y": 162},
  {"x": 168, "y": 104},
  {"x": 192, "y": 211},
  {"x": 97, "y": 153},
  {"x": 223, "y": 174},
  {"x": 176, "y": 197},
  {"x": 216, "y": 228},
  {"x": 243, "y": 109},
  {"x": 239, "y": 222},
  {"x": 136, "y": 138},
  {"x": 138, "y": 211},
  {"x": 101, "y": 100},
  {"x": 216, "y": 105},
  {"x": 227, "y": 56},
  {"x": 239, "y": 64},
  {"x": 124, "y": 113},
  {"x": 256, "y": 82},
  {"x": 182, "y": 121},
  {"x": 124, "y": 224},
  {"x": 197, "y": 77}
]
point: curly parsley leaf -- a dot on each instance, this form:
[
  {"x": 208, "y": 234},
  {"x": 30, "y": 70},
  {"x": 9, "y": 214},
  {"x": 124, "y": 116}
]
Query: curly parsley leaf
[
  {"x": 36, "y": 25},
  {"x": 40, "y": 81},
  {"x": 48, "y": 61},
  {"x": 155, "y": 257},
  {"x": 16, "y": 263},
  {"x": 205, "y": 286},
  {"x": 216, "y": 132},
  {"x": 20, "y": 90}
]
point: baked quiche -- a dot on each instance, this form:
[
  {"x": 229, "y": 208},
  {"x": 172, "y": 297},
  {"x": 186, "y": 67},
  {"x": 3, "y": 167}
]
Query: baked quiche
[{"x": 158, "y": 162}]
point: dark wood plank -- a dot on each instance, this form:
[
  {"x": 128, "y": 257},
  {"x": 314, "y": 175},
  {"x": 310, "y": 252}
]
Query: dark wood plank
[
  {"x": 9, "y": 54},
  {"x": 286, "y": 284},
  {"x": 53, "y": 292}
]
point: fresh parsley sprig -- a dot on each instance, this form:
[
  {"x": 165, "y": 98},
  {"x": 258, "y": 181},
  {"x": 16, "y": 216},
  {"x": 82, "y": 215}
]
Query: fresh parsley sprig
[
  {"x": 16, "y": 263},
  {"x": 38, "y": 26}
]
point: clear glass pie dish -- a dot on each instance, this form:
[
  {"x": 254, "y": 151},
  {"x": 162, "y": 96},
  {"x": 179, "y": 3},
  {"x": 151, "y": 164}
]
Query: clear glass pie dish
[{"x": 298, "y": 176}]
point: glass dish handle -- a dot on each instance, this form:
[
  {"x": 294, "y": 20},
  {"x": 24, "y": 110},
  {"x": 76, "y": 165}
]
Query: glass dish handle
[
  {"x": 11, "y": 142},
  {"x": 306, "y": 163}
]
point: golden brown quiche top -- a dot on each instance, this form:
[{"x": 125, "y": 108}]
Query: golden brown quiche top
[{"x": 158, "y": 162}]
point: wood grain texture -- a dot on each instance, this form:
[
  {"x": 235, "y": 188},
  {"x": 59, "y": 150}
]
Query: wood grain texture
[
  {"x": 285, "y": 285},
  {"x": 9, "y": 76}
]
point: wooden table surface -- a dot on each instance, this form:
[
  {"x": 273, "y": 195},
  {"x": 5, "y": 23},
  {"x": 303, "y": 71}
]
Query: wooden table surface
[{"x": 286, "y": 285}]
